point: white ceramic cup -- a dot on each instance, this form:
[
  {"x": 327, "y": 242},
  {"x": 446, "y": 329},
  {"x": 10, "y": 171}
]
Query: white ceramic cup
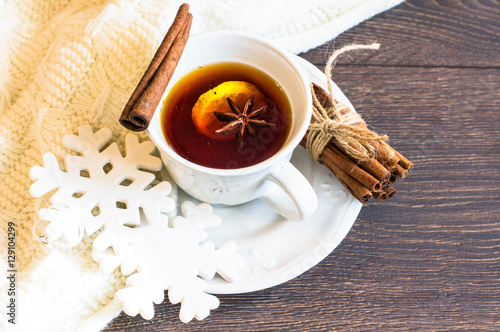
[{"x": 275, "y": 180}]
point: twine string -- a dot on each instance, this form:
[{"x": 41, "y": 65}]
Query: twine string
[{"x": 348, "y": 128}]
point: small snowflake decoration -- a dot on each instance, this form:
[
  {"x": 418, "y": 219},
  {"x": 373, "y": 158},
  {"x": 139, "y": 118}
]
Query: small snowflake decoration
[
  {"x": 171, "y": 258},
  {"x": 112, "y": 196}
]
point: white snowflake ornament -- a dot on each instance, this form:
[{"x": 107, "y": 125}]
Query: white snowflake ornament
[
  {"x": 173, "y": 258},
  {"x": 104, "y": 188}
]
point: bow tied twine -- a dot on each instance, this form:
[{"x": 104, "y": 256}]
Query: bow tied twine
[{"x": 338, "y": 121}]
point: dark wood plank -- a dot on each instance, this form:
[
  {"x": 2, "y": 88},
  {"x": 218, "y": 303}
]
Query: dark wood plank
[
  {"x": 428, "y": 259},
  {"x": 448, "y": 33}
]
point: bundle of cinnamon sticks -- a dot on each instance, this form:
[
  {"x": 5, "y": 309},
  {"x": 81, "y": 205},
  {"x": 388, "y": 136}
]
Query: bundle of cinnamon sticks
[
  {"x": 363, "y": 179},
  {"x": 142, "y": 104}
]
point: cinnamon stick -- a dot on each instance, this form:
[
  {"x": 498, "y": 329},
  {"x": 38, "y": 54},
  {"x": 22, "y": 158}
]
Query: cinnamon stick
[
  {"x": 394, "y": 178},
  {"x": 401, "y": 171},
  {"x": 348, "y": 166},
  {"x": 390, "y": 191},
  {"x": 359, "y": 191},
  {"x": 141, "y": 105},
  {"x": 380, "y": 196},
  {"x": 325, "y": 100},
  {"x": 384, "y": 156},
  {"x": 372, "y": 166},
  {"x": 405, "y": 163},
  {"x": 337, "y": 157}
]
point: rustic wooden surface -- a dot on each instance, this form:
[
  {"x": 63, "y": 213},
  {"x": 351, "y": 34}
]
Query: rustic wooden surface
[{"x": 429, "y": 258}]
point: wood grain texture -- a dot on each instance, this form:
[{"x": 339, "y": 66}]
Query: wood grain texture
[
  {"x": 447, "y": 33},
  {"x": 429, "y": 258}
]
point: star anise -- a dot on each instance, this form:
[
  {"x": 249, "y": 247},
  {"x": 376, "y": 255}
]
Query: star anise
[{"x": 241, "y": 121}]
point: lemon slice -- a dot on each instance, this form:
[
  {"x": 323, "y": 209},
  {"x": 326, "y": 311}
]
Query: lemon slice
[{"x": 216, "y": 100}]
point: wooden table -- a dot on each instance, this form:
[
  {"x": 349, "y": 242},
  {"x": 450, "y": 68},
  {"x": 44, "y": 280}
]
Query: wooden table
[{"x": 429, "y": 258}]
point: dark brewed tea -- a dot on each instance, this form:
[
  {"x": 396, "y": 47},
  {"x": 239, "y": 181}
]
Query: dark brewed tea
[{"x": 190, "y": 127}]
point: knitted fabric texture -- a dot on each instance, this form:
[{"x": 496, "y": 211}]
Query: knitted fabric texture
[{"x": 66, "y": 63}]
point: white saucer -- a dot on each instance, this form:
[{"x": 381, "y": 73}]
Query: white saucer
[{"x": 277, "y": 250}]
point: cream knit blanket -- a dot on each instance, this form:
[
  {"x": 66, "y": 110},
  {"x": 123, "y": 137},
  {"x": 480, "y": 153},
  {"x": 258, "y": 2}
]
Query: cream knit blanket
[{"x": 65, "y": 63}]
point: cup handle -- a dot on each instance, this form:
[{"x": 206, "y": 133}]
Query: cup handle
[{"x": 289, "y": 193}]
